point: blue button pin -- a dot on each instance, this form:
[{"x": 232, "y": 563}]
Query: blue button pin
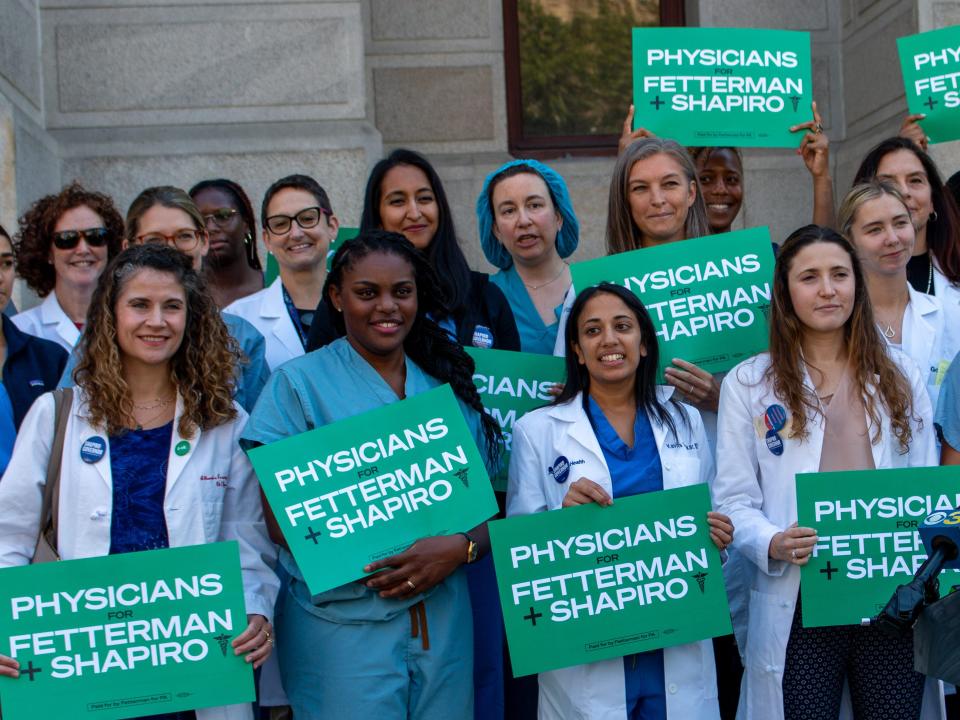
[
  {"x": 93, "y": 449},
  {"x": 775, "y": 418},
  {"x": 774, "y": 443}
]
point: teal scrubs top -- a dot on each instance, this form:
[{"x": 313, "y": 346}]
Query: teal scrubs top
[
  {"x": 316, "y": 389},
  {"x": 535, "y": 336},
  {"x": 948, "y": 406}
]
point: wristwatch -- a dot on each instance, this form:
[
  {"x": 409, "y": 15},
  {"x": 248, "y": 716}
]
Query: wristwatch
[{"x": 472, "y": 548}]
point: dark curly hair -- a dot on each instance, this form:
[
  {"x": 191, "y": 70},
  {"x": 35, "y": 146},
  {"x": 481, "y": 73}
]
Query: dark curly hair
[
  {"x": 202, "y": 369},
  {"x": 35, "y": 234},
  {"x": 427, "y": 344}
]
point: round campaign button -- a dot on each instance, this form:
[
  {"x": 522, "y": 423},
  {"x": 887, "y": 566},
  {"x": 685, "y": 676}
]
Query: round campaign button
[
  {"x": 482, "y": 337},
  {"x": 93, "y": 449},
  {"x": 775, "y": 418},
  {"x": 560, "y": 469},
  {"x": 774, "y": 443},
  {"x": 182, "y": 447}
]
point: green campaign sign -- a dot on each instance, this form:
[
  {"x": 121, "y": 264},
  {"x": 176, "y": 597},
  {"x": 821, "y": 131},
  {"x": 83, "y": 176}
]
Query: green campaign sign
[
  {"x": 592, "y": 583},
  {"x": 867, "y": 540},
  {"x": 126, "y": 635},
  {"x": 369, "y": 486},
  {"x": 931, "y": 77},
  {"x": 722, "y": 86},
  {"x": 511, "y": 384},
  {"x": 708, "y": 298}
]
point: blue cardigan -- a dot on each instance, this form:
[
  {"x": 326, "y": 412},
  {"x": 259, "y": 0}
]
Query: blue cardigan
[{"x": 33, "y": 367}]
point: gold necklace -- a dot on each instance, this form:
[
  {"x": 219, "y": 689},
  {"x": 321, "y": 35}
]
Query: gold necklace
[
  {"x": 548, "y": 282},
  {"x": 157, "y": 403}
]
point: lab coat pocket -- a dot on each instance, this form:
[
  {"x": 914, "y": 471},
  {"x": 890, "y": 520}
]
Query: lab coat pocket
[
  {"x": 681, "y": 469},
  {"x": 212, "y": 515},
  {"x": 768, "y": 629}
]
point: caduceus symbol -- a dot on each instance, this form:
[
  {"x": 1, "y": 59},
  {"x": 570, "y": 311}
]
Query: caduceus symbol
[
  {"x": 795, "y": 99},
  {"x": 700, "y": 577},
  {"x": 462, "y": 475},
  {"x": 222, "y": 640}
]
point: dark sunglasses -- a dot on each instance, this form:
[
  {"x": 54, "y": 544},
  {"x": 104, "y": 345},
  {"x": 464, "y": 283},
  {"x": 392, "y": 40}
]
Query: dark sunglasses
[{"x": 69, "y": 239}]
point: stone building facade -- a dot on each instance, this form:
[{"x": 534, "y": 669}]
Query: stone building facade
[{"x": 123, "y": 94}]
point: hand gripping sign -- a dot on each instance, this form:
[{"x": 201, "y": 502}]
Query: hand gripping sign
[
  {"x": 867, "y": 539},
  {"x": 722, "y": 86},
  {"x": 708, "y": 298},
  {"x": 592, "y": 583},
  {"x": 369, "y": 486},
  {"x": 124, "y": 635},
  {"x": 931, "y": 77}
]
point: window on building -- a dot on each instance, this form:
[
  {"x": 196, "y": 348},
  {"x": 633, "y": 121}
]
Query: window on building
[{"x": 569, "y": 71}]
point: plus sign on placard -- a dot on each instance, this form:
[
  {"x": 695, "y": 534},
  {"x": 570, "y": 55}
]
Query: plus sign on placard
[{"x": 532, "y": 617}]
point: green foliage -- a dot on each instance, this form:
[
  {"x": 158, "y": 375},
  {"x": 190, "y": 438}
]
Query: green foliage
[{"x": 576, "y": 73}]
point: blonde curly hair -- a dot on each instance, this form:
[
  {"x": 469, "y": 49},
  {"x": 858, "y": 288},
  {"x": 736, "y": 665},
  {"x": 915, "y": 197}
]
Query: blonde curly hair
[{"x": 202, "y": 369}]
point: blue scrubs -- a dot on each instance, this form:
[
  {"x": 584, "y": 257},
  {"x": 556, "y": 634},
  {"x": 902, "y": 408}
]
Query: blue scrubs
[
  {"x": 635, "y": 470},
  {"x": 948, "y": 406},
  {"x": 535, "y": 335},
  {"x": 252, "y": 373},
  {"x": 8, "y": 432},
  {"x": 348, "y": 652}
]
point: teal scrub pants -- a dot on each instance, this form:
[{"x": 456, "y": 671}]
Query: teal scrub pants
[{"x": 380, "y": 669}]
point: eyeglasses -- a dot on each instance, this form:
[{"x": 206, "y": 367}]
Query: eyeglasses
[
  {"x": 183, "y": 240},
  {"x": 306, "y": 219},
  {"x": 220, "y": 216},
  {"x": 69, "y": 239}
]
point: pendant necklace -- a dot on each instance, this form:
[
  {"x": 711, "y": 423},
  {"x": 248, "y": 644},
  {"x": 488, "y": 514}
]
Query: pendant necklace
[{"x": 548, "y": 282}]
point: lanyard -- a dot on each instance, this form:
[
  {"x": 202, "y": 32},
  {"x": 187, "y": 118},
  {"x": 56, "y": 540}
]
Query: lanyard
[{"x": 294, "y": 316}]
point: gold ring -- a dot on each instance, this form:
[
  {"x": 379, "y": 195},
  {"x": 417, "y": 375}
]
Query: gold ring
[
  {"x": 818, "y": 128},
  {"x": 410, "y": 583},
  {"x": 267, "y": 633}
]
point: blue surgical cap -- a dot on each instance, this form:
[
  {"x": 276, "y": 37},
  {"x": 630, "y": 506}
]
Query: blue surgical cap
[{"x": 567, "y": 239}]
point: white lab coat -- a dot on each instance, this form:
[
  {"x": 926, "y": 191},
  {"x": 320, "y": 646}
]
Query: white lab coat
[
  {"x": 212, "y": 495},
  {"x": 757, "y": 490},
  {"x": 267, "y": 312},
  {"x": 596, "y": 691},
  {"x": 48, "y": 321},
  {"x": 926, "y": 340}
]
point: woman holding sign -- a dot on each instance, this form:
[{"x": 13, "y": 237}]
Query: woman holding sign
[
  {"x": 150, "y": 451},
  {"x": 655, "y": 199},
  {"x": 619, "y": 435},
  {"x": 875, "y": 218},
  {"x": 399, "y": 641},
  {"x": 527, "y": 227},
  {"x": 828, "y": 396}
]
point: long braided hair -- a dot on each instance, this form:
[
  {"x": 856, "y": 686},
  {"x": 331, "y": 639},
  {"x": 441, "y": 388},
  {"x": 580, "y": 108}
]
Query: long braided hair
[{"x": 427, "y": 344}]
